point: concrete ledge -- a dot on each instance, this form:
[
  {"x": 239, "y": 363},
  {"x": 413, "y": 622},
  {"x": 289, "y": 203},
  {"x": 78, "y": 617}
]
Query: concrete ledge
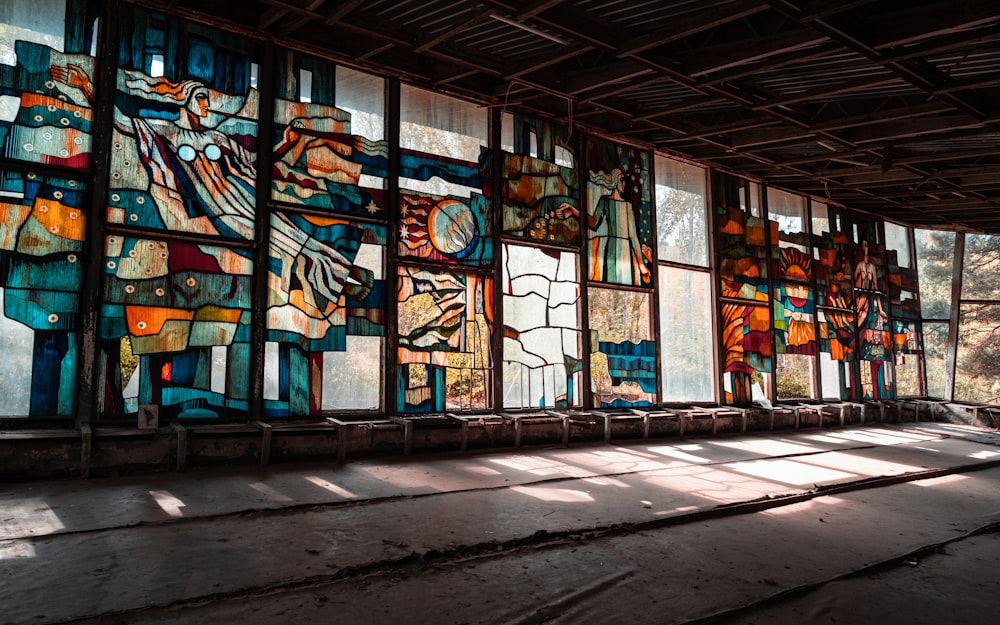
[{"x": 101, "y": 450}]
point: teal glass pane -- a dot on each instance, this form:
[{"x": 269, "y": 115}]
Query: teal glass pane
[
  {"x": 47, "y": 82},
  {"x": 42, "y": 228},
  {"x": 174, "y": 329}
]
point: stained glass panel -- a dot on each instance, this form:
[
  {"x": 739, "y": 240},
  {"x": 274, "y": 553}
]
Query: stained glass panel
[
  {"x": 42, "y": 227},
  {"x": 623, "y": 349},
  {"x": 742, "y": 243},
  {"x": 47, "y": 87},
  {"x": 747, "y": 351},
  {"x": 619, "y": 214},
  {"x": 444, "y": 327},
  {"x": 321, "y": 159},
  {"x": 444, "y": 214},
  {"x": 175, "y": 328},
  {"x": 543, "y": 366},
  {"x": 326, "y": 298},
  {"x": 185, "y": 129},
  {"x": 833, "y": 272},
  {"x": 794, "y": 319},
  {"x": 540, "y": 200}
]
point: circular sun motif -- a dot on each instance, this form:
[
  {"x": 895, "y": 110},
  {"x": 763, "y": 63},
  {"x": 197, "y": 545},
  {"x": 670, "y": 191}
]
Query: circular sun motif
[{"x": 451, "y": 227}]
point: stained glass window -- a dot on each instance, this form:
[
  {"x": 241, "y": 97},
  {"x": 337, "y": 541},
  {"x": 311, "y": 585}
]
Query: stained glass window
[
  {"x": 444, "y": 325},
  {"x": 543, "y": 365},
  {"x": 551, "y": 219},
  {"x": 327, "y": 285},
  {"x": 185, "y": 129},
  {"x": 42, "y": 228},
  {"x": 325, "y": 317},
  {"x": 619, "y": 214},
  {"x": 623, "y": 350},
  {"x": 175, "y": 315},
  {"x": 792, "y": 295},
  {"x": 745, "y": 321},
  {"x": 328, "y": 156},
  {"x": 175, "y": 328},
  {"x": 47, "y": 87},
  {"x": 444, "y": 214},
  {"x": 742, "y": 242}
]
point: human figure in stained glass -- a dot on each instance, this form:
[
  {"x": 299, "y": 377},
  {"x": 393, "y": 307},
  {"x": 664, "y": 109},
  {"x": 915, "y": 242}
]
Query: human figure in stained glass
[{"x": 202, "y": 180}]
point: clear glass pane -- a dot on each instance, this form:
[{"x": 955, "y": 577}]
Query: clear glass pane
[
  {"x": 795, "y": 377},
  {"x": 935, "y": 266},
  {"x": 681, "y": 219},
  {"x": 977, "y": 375},
  {"x": 835, "y": 375},
  {"x": 897, "y": 238},
  {"x": 981, "y": 271},
  {"x": 788, "y": 209},
  {"x": 820, "y": 218},
  {"x": 686, "y": 345},
  {"x": 363, "y": 96},
  {"x": 936, "y": 358}
]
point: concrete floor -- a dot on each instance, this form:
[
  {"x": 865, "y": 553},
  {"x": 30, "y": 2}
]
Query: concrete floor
[{"x": 881, "y": 523}]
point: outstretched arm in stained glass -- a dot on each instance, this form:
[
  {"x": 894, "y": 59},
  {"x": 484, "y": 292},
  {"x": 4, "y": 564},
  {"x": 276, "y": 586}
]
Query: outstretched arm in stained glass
[{"x": 74, "y": 76}]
